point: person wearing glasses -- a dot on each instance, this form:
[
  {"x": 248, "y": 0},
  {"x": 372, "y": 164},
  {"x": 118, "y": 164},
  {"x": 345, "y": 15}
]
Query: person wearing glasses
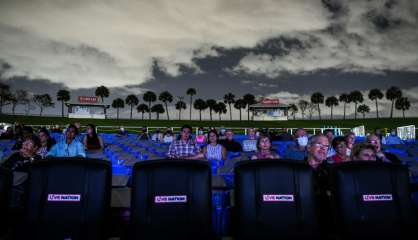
[
  {"x": 317, "y": 150},
  {"x": 70, "y": 146},
  {"x": 184, "y": 147}
]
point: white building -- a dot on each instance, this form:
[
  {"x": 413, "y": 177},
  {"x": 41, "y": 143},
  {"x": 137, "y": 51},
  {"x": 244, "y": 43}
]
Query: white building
[{"x": 269, "y": 110}]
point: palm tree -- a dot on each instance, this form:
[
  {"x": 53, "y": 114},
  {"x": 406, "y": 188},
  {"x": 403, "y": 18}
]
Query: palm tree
[
  {"x": 118, "y": 103},
  {"x": 374, "y": 95},
  {"x": 240, "y": 104},
  {"x": 63, "y": 96},
  {"x": 149, "y": 97},
  {"x": 132, "y": 101},
  {"x": 229, "y": 99},
  {"x": 303, "y": 105},
  {"x": 363, "y": 109},
  {"x": 191, "y": 92},
  {"x": 179, "y": 106},
  {"x": 356, "y": 97},
  {"x": 211, "y": 104},
  {"x": 249, "y": 100},
  {"x": 102, "y": 92},
  {"x": 142, "y": 108},
  {"x": 345, "y": 98},
  {"x": 392, "y": 94},
  {"x": 158, "y": 109},
  {"x": 317, "y": 98},
  {"x": 402, "y": 104},
  {"x": 19, "y": 97},
  {"x": 166, "y": 97},
  {"x": 293, "y": 109},
  {"x": 331, "y": 102},
  {"x": 220, "y": 108},
  {"x": 200, "y": 104},
  {"x": 43, "y": 101}
]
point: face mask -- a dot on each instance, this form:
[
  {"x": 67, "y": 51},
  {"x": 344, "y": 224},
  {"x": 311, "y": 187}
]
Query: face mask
[
  {"x": 200, "y": 132},
  {"x": 222, "y": 131},
  {"x": 393, "y": 133},
  {"x": 303, "y": 141}
]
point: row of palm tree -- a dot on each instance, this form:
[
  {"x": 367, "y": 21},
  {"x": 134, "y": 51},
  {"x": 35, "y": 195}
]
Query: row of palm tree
[{"x": 393, "y": 94}]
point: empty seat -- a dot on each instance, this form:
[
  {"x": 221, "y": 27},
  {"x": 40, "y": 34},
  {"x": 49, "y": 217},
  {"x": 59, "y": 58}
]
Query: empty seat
[
  {"x": 372, "y": 200},
  {"x": 68, "y": 199},
  {"x": 275, "y": 200},
  {"x": 5, "y": 193},
  {"x": 171, "y": 199}
]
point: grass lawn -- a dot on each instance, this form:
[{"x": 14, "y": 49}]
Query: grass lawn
[{"x": 369, "y": 123}]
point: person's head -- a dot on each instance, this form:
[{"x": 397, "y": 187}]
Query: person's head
[
  {"x": 200, "y": 131},
  {"x": 378, "y": 131},
  {"x": 340, "y": 146},
  {"x": 374, "y": 140},
  {"x": 363, "y": 152},
  {"x": 122, "y": 129},
  {"x": 300, "y": 132},
  {"x": 71, "y": 132},
  {"x": 317, "y": 150},
  {"x": 223, "y": 130},
  {"x": 229, "y": 134},
  {"x": 329, "y": 133},
  {"x": 350, "y": 138},
  {"x": 263, "y": 143},
  {"x": 393, "y": 132},
  {"x": 77, "y": 125},
  {"x": 43, "y": 135},
  {"x": 157, "y": 131},
  {"x": 185, "y": 132},
  {"x": 27, "y": 132},
  {"x": 29, "y": 146},
  {"x": 144, "y": 130},
  {"x": 251, "y": 133},
  {"x": 213, "y": 137},
  {"x": 91, "y": 130},
  {"x": 9, "y": 130}
]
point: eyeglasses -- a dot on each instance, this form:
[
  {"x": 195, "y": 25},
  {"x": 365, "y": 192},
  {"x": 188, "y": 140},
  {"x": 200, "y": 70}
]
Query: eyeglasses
[{"x": 322, "y": 146}]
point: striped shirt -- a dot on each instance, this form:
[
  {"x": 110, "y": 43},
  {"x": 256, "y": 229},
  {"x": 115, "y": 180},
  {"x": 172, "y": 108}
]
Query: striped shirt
[{"x": 214, "y": 152}]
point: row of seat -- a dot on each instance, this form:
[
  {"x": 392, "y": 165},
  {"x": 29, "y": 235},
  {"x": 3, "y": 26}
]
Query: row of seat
[{"x": 70, "y": 199}]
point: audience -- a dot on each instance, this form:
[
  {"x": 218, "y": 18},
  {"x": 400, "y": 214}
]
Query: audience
[
  {"x": 264, "y": 149},
  {"x": 168, "y": 136},
  {"x": 213, "y": 150},
  {"x": 46, "y": 142},
  {"x": 183, "y": 148},
  {"x": 317, "y": 150},
  {"x": 340, "y": 147},
  {"x": 157, "y": 136},
  {"x": 364, "y": 152},
  {"x": 200, "y": 137},
  {"x": 229, "y": 143},
  {"x": 250, "y": 144},
  {"x": 68, "y": 147},
  {"x": 350, "y": 139},
  {"x": 375, "y": 141},
  {"x": 393, "y": 138},
  {"x": 8, "y": 134},
  {"x": 301, "y": 139},
  {"x": 143, "y": 136},
  {"x": 92, "y": 141},
  {"x": 26, "y": 132}
]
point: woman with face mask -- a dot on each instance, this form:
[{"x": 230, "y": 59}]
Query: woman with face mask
[{"x": 200, "y": 137}]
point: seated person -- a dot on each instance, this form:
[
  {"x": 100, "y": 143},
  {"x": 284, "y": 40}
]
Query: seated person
[
  {"x": 200, "y": 137},
  {"x": 68, "y": 147},
  {"x": 350, "y": 139},
  {"x": 92, "y": 141},
  {"x": 143, "y": 136},
  {"x": 317, "y": 151},
  {"x": 184, "y": 147},
  {"x": 168, "y": 136},
  {"x": 264, "y": 149},
  {"x": 364, "y": 152},
  {"x": 122, "y": 132},
  {"x": 393, "y": 138},
  {"x": 340, "y": 148},
  {"x": 46, "y": 142},
  {"x": 157, "y": 136},
  {"x": 19, "y": 163},
  {"x": 229, "y": 143},
  {"x": 8, "y": 134},
  {"x": 213, "y": 150},
  {"x": 27, "y": 132},
  {"x": 375, "y": 141},
  {"x": 250, "y": 144},
  {"x": 301, "y": 139},
  {"x": 222, "y": 133}
]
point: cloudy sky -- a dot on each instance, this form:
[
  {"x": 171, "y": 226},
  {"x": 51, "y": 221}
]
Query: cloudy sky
[{"x": 277, "y": 48}]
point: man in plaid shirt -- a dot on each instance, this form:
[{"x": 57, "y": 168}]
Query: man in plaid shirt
[{"x": 184, "y": 148}]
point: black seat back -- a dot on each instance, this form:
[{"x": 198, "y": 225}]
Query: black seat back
[
  {"x": 6, "y": 179},
  {"x": 275, "y": 200},
  {"x": 171, "y": 199},
  {"x": 68, "y": 198},
  {"x": 372, "y": 200}
]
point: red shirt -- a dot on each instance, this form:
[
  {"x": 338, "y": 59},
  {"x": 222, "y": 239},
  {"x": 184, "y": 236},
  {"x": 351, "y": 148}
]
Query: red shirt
[{"x": 337, "y": 159}]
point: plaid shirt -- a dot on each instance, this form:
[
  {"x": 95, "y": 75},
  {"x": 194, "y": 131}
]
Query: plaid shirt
[{"x": 181, "y": 148}]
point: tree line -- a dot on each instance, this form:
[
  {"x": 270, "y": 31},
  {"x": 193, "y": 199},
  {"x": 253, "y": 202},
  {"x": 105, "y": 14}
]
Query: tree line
[{"x": 149, "y": 105}]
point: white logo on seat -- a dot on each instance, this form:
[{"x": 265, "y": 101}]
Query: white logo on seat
[
  {"x": 171, "y": 199},
  {"x": 278, "y": 198},
  {"x": 64, "y": 197},
  {"x": 377, "y": 197}
]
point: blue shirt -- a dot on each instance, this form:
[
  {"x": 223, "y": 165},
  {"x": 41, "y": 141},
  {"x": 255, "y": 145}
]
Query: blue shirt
[{"x": 62, "y": 149}]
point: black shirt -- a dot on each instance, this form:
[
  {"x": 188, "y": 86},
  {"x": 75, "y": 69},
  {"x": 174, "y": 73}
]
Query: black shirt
[
  {"x": 231, "y": 146},
  {"x": 16, "y": 162}
]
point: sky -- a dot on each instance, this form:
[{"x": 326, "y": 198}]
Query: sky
[{"x": 273, "y": 48}]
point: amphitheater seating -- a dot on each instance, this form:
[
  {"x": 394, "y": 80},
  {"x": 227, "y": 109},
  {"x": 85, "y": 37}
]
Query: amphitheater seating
[
  {"x": 171, "y": 199},
  {"x": 372, "y": 200},
  {"x": 275, "y": 200},
  {"x": 6, "y": 179},
  {"x": 68, "y": 199}
]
